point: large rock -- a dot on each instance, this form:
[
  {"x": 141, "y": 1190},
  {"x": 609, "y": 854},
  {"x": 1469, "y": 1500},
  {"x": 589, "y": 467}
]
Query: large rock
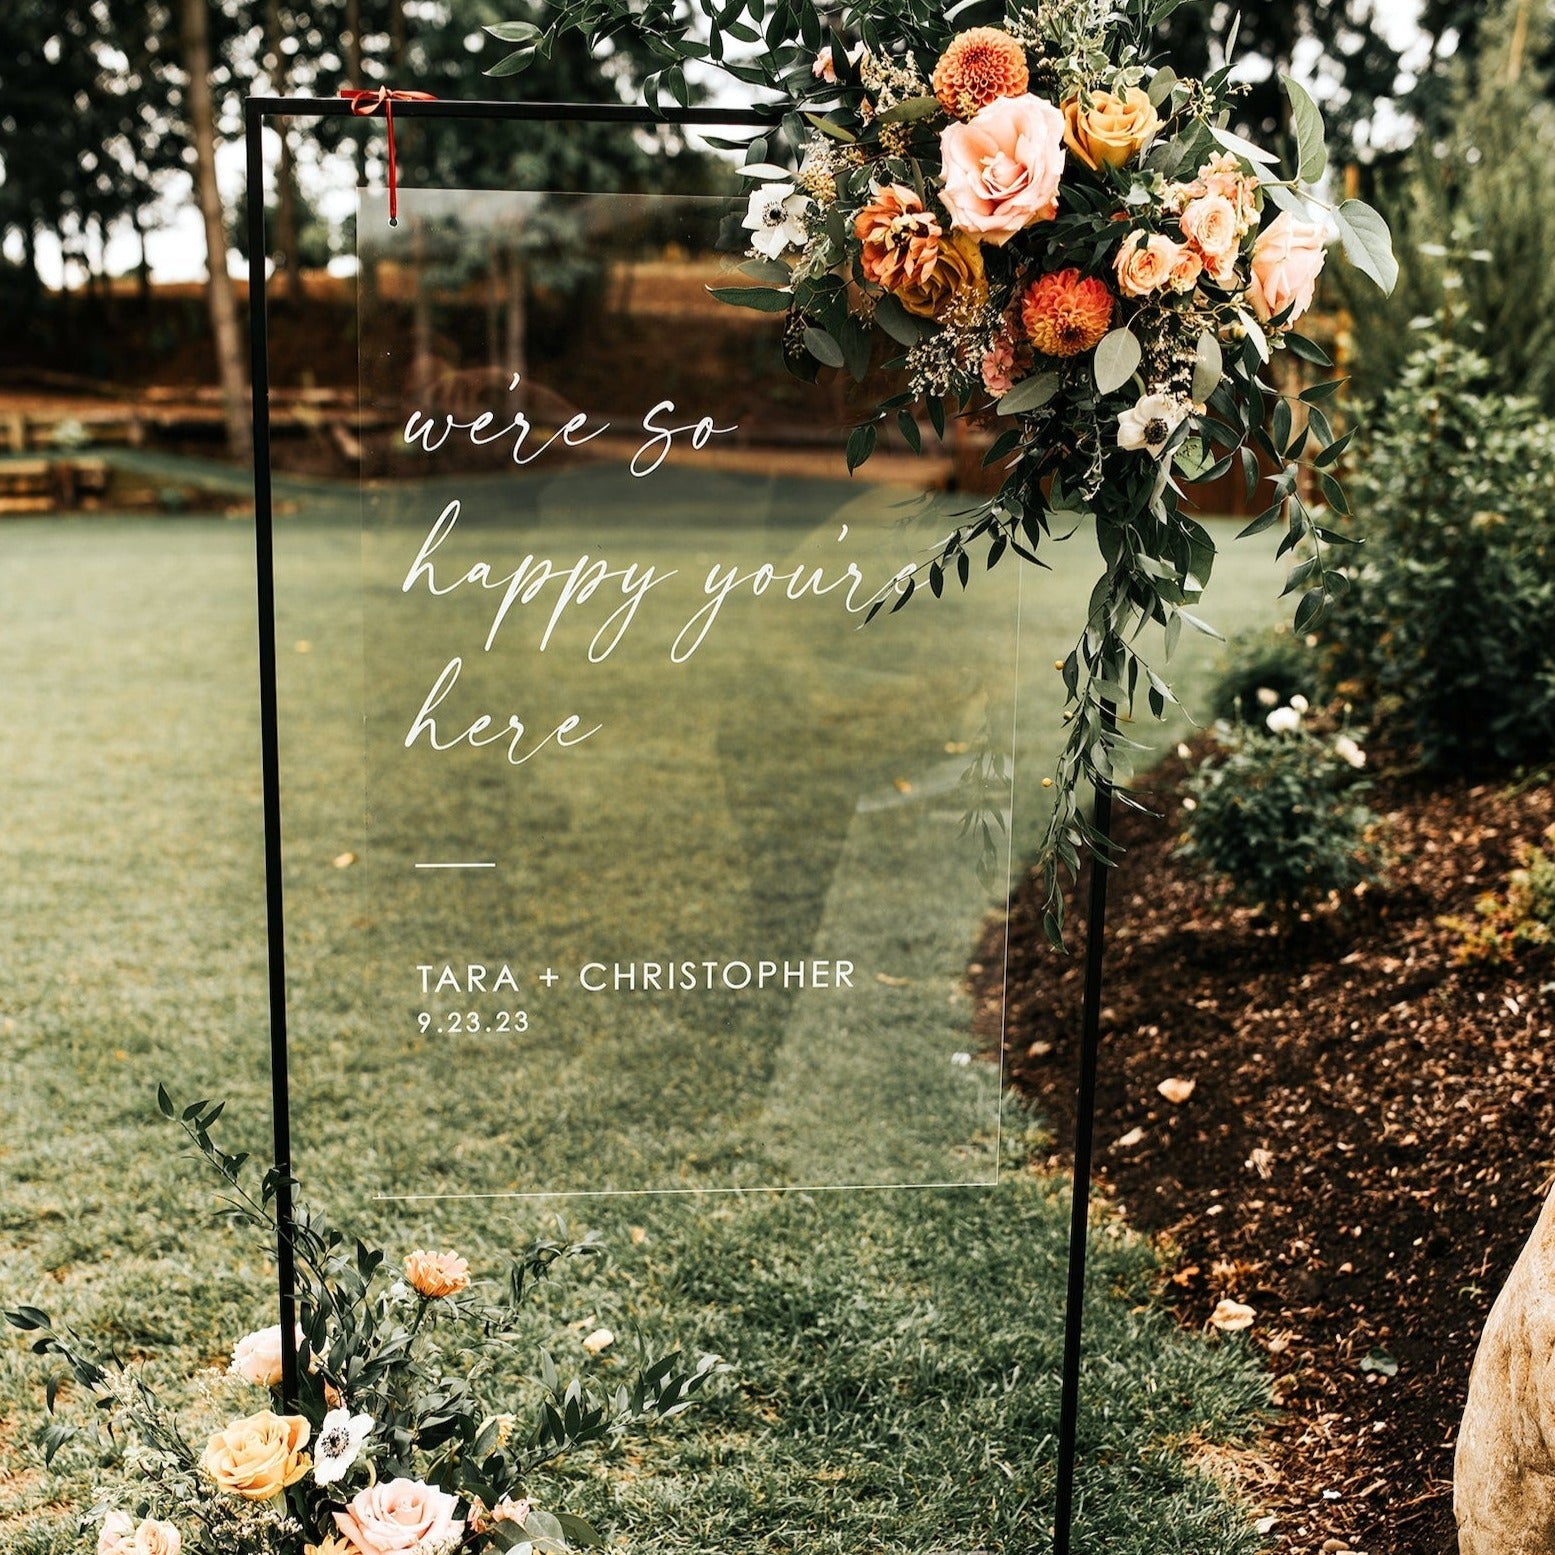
[{"x": 1504, "y": 1477}]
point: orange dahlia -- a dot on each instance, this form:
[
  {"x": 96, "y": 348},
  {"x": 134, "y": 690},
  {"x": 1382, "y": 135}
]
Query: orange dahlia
[
  {"x": 1065, "y": 314},
  {"x": 979, "y": 66},
  {"x": 900, "y": 238}
]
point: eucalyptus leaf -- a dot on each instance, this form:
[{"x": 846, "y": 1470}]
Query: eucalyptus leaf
[
  {"x": 897, "y": 322},
  {"x": 768, "y": 172},
  {"x": 1307, "y": 122},
  {"x": 822, "y": 347},
  {"x": 513, "y": 32},
  {"x": 1208, "y": 366},
  {"x": 1117, "y": 359},
  {"x": 911, "y": 110},
  {"x": 1243, "y": 148},
  {"x": 1029, "y": 394},
  {"x": 764, "y": 299},
  {"x": 1367, "y": 243}
]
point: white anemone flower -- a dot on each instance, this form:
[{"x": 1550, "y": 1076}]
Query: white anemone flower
[
  {"x": 1283, "y": 720},
  {"x": 340, "y": 1439},
  {"x": 1150, "y": 423},
  {"x": 776, "y": 219}
]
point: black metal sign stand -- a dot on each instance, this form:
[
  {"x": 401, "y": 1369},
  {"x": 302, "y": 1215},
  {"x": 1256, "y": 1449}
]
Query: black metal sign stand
[{"x": 256, "y": 111}]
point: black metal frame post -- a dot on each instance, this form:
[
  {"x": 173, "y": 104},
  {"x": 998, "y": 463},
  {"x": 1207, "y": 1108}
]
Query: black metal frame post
[
  {"x": 1084, "y": 1153},
  {"x": 256, "y": 111}
]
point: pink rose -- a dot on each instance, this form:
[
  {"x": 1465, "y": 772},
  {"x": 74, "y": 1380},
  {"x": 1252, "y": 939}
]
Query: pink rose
[
  {"x": 1286, "y": 261},
  {"x": 113, "y": 1538},
  {"x": 257, "y": 1357},
  {"x": 400, "y": 1516},
  {"x": 1002, "y": 167}
]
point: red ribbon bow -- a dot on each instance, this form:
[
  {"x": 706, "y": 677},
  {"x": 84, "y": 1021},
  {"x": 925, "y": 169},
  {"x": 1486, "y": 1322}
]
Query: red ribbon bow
[{"x": 368, "y": 100}]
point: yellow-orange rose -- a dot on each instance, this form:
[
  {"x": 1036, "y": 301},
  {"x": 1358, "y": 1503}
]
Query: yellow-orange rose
[
  {"x": 259, "y": 1456},
  {"x": 957, "y": 269},
  {"x": 437, "y": 1274},
  {"x": 1112, "y": 129},
  {"x": 1146, "y": 263}
]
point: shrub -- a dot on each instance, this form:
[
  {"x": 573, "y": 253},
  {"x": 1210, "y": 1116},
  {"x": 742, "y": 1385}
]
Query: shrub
[
  {"x": 1277, "y": 662},
  {"x": 1277, "y": 815},
  {"x": 1520, "y": 919},
  {"x": 1444, "y": 634}
]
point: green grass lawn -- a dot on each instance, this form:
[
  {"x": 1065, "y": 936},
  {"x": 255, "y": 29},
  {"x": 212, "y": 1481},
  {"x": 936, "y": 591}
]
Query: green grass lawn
[{"x": 892, "y": 1352}]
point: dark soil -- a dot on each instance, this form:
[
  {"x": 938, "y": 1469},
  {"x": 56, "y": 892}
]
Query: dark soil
[{"x": 1366, "y": 1147}]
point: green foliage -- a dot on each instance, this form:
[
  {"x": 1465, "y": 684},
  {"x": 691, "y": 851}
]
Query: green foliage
[
  {"x": 1277, "y": 817},
  {"x": 1444, "y": 635},
  {"x": 1474, "y": 219},
  {"x": 1514, "y": 921}
]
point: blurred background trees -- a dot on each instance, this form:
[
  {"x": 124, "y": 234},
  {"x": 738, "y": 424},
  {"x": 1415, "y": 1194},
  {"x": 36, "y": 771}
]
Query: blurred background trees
[{"x": 118, "y": 117}]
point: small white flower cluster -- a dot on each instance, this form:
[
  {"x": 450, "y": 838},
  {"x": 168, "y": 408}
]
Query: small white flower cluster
[{"x": 893, "y": 81}]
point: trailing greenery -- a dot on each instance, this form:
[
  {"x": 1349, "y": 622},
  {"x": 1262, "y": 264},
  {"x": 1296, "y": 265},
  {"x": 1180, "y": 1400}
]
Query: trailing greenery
[
  {"x": 1277, "y": 816},
  {"x": 1444, "y": 636}
]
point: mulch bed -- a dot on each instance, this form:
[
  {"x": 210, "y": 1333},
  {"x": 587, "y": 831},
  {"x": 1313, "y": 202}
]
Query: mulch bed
[{"x": 1365, "y": 1149}]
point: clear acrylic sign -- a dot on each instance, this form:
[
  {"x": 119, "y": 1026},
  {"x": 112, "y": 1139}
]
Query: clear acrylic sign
[{"x": 663, "y": 849}]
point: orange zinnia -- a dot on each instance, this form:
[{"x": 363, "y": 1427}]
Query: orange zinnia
[
  {"x": 979, "y": 66},
  {"x": 1065, "y": 314}
]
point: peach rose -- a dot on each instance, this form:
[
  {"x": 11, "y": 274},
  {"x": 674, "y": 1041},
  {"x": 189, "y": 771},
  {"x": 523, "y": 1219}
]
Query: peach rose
[
  {"x": 508, "y": 1510},
  {"x": 1002, "y": 168},
  {"x": 999, "y": 366},
  {"x": 1187, "y": 267},
  {"x": 401, "y": 1516},
  {"x": 1223, "y": 175},
  {"x": 113, "y": 1538},
  {"x": 1112, "y": 129},
  {"x": 1287, "y": 259},
  {"x": 257, "y": 1357},
  {"x": 437, "y": 1274},
  {"x": 1209, "y": 223},
  {"x": 259, "y": 1456},
  {"x": 154, "y": 1538},
  {"x": 1146, "y": 263}
]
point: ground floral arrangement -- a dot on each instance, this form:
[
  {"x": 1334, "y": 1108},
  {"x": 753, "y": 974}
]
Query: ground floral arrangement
[
  {"x": 390, "y": 1448},
  {"x": 1054, "y": 231}
]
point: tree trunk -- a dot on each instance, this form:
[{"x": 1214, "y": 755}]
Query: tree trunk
[
  {"x": 366, "y": 269},
  {"x": 285, "y": 171},
  {"x": 194, "y": 26}
]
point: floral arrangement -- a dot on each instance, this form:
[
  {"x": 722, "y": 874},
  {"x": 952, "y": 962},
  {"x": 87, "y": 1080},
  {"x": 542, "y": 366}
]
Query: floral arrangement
[
  {"x": 1054, "y": 232},
  {"x": 386, "y": 1447}
]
